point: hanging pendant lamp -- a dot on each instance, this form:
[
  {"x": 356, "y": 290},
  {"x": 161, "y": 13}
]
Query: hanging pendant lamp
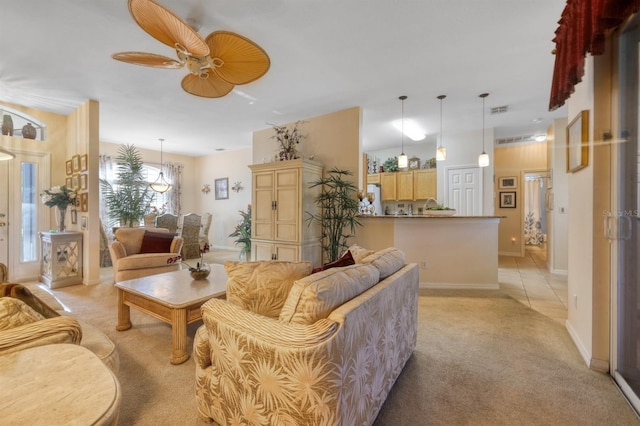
[
  {"x": 483, "y": 159},
  {"x": 403, "y": 160},
  {"x": 441, "y": 153},
  {"x": 160, "y": 185}
]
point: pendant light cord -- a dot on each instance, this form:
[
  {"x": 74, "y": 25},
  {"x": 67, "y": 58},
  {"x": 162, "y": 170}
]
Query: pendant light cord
[
  {"x": 402, "y": 98},
  {"x": 161, "y": 143},
  {"x": 483, "y": 96}
]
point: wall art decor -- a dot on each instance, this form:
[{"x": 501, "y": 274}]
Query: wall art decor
[
  {"x": 578, "y": 142},
  {"x": 222, "y": 188},
  {"x": 508, "y": 182},
  {"x": 508, "y": 200}
]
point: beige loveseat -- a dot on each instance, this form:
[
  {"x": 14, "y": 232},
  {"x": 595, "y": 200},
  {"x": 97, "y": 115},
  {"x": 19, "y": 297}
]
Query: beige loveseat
[
  {"x": 320, "y": 349},
  {"x": 139, "y": 252},
  {"x": 32, "y": 317}
]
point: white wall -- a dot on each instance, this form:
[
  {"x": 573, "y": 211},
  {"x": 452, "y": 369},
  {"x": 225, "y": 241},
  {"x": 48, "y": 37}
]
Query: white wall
[
  {"x": 235, "y": 166},
  {"x": 580, "y": 228}
]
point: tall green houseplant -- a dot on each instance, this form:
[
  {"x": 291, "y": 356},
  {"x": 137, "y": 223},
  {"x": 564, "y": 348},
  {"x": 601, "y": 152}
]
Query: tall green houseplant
[
  {"x": 128, "y": 199},
  {"x": 338, "y": 216},
  {"x": 243, "y": 232}
]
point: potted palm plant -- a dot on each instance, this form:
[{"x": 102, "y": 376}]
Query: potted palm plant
[
  {"x": 128, "y": 198},
  {"x": 243, "y": 232},
  {"x": 338, "y": 216}
]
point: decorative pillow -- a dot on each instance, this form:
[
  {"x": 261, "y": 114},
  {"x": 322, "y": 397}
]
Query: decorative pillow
[
  {"x": 359, "y": 253},
  {"x": 14, "y": 312},
  {"x": 22, "y": 293},
  {"x": 345, "y": 260},
  {"x": 314, "y": 297},
  {"x": 156, "y": 242},
  {"x": 262, "y": 287},
  {"x": 387, "y": 261}
]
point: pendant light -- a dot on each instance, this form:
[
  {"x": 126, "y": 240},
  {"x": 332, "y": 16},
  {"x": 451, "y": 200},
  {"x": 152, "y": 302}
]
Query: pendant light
[
  {"x": 160, "y": 185},
  {"x": 483, "y": 159},
  {"x": 403, "y": 160},
  {"x": 441, "y": 153}
]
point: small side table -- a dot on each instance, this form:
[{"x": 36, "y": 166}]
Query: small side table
[{"x": 61, "y": 263}]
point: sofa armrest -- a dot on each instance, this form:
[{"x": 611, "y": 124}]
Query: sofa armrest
[
  {"x": 176, "y": 245},
  {"x": 60, "y": 329},
  {"x": 117, "y": 250},
  {"x": 224, "y": 318}
]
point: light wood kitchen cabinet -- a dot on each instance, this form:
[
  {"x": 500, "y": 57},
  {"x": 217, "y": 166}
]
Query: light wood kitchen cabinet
[
  {"x": 424, "y": 184},
  {"x": 281, "y": 199},
  {"x": 373, "y": 178},
  {"x": 404, "y": 186},
  {"x": 388, "y": 186}
]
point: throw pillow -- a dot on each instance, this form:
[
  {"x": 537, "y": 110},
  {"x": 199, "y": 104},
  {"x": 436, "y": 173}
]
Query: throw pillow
[
  {"x": 359, "y": 253},
  {"x": 262, "y": 287},
  {"x": 388, "y": 261},
  {"x": 345, "y": 260},
  {"x": 156, "y": 242},
  {"x": 316, "y": 296},
  {"x": 14, "y": 312}
]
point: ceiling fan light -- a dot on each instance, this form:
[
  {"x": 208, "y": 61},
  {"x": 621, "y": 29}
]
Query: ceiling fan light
[
  {"x": 441, "y": 154},
  {"x": 6, "y": 155}
]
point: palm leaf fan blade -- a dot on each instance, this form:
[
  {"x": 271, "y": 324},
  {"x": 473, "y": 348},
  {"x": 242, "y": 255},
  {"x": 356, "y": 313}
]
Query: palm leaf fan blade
[
  {"x": 147, "y": 59},
  {"x": 166, "y": 27},
  {"x": 209, "y": 87},
  {"x": 243, "y": 60}
]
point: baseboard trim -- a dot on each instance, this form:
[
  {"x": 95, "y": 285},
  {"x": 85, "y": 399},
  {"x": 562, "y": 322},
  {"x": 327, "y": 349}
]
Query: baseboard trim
[
  {"x": 586, "y": 356},
  {"x": 558, "y": 271},
  {"x": 461, "y": 286},
  {"x": 599, "y": 365}
]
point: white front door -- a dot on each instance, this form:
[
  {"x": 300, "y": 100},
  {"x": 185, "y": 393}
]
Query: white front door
[
  {"x": 26, "y": 176},
  {"x": 464, "y": 190}
]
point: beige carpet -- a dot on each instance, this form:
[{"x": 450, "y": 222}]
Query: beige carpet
[{"x": 481, "y": 359}]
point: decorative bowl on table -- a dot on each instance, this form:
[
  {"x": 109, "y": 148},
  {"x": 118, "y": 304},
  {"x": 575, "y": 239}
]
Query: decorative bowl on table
[{"x": 200, "y": 273}]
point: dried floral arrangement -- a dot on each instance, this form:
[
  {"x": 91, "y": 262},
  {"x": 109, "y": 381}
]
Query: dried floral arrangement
[{"x": 288, "y": 139}]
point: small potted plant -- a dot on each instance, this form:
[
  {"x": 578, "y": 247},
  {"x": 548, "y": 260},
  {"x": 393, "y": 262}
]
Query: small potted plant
[
  {"x": 201, "y": 270},
  {"x": 243, "y": 232}
]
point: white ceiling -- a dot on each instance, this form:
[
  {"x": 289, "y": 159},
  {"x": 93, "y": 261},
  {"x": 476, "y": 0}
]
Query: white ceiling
[{"x": 326, "y": 55}]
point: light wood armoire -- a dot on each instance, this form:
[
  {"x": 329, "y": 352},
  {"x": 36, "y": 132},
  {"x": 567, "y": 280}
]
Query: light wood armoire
[{"x": 282, "y": 199}]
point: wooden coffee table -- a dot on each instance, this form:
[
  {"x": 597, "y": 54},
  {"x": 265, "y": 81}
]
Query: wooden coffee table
[{"x": 172, "y": 297}]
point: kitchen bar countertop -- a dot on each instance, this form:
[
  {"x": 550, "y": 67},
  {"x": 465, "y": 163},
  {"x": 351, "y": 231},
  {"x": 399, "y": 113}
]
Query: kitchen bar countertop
[{"x": 426, "y": 216}]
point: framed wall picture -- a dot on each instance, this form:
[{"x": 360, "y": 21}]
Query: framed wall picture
[
  {"x": 75, "y": 163},
  {"x": 74, "y": 216},
  {"x": 75, "y": 182},
  {"x": 222, "y": 188},
  {"x": 83, "y": 181},
  {"x": 578, "y": 142},
  {"x": 83, "y": 223},
  {"x": 68, "y": 182},
  {"x": 508, "y": 200},
  {"x": 508, "y": 182},
  {"x": 83, "y": 162},
  {"x": 69, "y": 167},
  {"x": 84, "y": 202}
]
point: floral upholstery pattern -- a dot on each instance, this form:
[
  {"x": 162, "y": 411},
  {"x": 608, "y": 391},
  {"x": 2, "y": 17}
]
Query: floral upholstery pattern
[
  {"x": 256, "y": 370},
  {"x": 387, "y": 261},
  {"x": 262, "y": 287}
]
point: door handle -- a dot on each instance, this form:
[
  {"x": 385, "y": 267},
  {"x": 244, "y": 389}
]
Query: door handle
[{"x": 608, "y": 228}]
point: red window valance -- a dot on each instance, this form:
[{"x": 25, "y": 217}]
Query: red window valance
[{"x": 581, "y": 30}]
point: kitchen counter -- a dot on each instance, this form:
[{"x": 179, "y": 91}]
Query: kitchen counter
[{"x": 453, "y": 252}]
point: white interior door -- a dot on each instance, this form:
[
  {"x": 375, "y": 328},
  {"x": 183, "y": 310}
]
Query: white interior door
[
  {"x": 464, "y": 190},
  {"x": 4, "y": 211}
]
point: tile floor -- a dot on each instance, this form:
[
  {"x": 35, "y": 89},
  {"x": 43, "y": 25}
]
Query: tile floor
[{"x": 528, "y": 280}]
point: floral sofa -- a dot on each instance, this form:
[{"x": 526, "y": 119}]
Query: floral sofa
[{"x": 289, "y": 348}]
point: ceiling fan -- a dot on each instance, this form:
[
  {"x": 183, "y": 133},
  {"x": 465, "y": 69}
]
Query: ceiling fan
[{"x": 215, "y": 64}]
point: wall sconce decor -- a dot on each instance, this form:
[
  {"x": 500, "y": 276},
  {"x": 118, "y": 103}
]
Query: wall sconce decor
[
  {"x": 206, "y": 188},
  {"x": 237, "y": 186}
]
